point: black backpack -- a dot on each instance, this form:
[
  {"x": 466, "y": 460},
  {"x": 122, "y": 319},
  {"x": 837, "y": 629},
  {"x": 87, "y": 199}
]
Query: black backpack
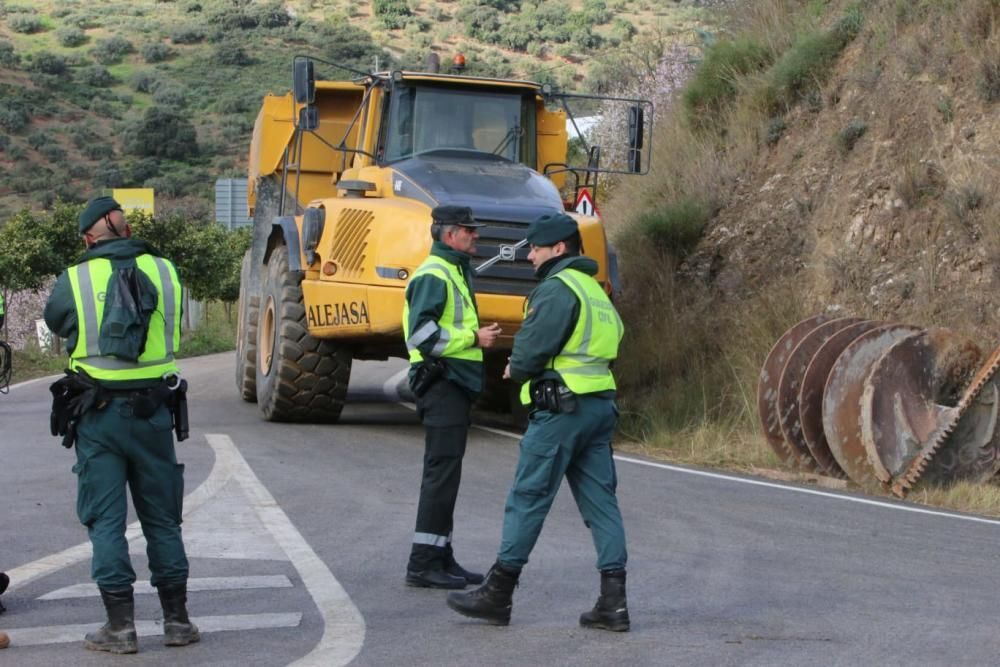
[{"x": 129, "y": 303}]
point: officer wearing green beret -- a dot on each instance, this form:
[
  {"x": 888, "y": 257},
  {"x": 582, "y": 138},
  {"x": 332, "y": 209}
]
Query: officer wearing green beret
[
  {"x": 123, "y": 435},
  {"x": 562, "y": 357},
  {"x": 445, "y": 344}
]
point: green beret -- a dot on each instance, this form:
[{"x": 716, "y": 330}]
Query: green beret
[
  {"x": 97, "y": 208},
  {"x": 454, "y": 215},
  {"x": 550, "y": 229}
]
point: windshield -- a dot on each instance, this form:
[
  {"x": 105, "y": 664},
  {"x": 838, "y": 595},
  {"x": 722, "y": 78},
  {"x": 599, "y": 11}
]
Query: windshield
[{"x": 427, "y": 118}]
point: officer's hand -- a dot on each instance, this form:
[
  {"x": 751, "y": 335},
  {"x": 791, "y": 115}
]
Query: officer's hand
[
  {"x": 506, "y": 371},
  {"x": 487, "y": 336}
]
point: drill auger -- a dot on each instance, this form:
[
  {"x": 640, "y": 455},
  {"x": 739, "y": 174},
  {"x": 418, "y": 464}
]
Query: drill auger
[{"x": 881, "y": 402}]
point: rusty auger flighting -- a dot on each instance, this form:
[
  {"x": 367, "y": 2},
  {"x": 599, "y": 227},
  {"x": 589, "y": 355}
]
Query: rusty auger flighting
[{"x": 881, "y": 402}]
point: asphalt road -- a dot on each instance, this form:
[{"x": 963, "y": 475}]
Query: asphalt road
[{"x": 298, "y": 538}]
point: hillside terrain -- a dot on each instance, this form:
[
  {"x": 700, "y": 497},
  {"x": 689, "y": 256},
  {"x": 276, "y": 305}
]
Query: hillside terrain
[
  {"x": 163, "y": 94},
  {"x": 832, "y": 157}
]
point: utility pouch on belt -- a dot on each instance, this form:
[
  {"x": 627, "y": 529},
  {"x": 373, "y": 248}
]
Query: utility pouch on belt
[
  {"x": 552, "y": 395},
  {"x": 72, "y": 396},
  {"x": 428, "y": 372}
]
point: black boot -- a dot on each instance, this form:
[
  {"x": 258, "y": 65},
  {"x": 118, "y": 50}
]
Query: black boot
[
  {"x": 118, "y": 634},
  {"x": 611, "y": 610},
  {"x": 491, "y": 601},
  {"x": 452, "y": 567},
  {"x": 4, "y": 582},
  {"x": 178, "y": 630}
]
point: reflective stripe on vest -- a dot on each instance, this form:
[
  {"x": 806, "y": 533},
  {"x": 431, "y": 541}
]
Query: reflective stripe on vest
[
  {"x": 89, "y": 281},
  {"x": 583, "y": 363},
  {"x": 459, "y": 317}
]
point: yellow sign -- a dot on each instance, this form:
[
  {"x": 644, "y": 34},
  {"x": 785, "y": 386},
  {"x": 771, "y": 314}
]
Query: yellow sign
[{"x": 134, "y": 199}]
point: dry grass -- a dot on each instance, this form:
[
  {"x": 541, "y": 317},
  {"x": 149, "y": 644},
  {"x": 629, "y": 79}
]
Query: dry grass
[
  {"x": 963, "y": 497},
  {"x": 712, "y": 445},
  {"x": 690, "y": 360}
]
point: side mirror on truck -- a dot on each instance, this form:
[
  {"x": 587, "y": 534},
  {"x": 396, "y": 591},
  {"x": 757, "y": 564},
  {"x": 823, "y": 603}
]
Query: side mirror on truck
[
  {"x": 303, "y": 81},
  {"x": 636, "y": 119}
]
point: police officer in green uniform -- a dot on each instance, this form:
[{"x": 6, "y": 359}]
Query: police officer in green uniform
[
  {"x": 445, "y": 344},
  {"x": 562, "y": 355},
  {"x": 114, "y": 445}
]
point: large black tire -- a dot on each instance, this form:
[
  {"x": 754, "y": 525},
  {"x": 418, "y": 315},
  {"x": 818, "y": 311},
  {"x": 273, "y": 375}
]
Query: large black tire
[
  {"x": 246, "y": 334},
  {"x": 299, "y": 378}
]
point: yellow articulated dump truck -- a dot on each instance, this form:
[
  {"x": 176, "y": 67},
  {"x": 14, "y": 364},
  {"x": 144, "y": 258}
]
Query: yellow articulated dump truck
[{"x": 342, "y": 179}]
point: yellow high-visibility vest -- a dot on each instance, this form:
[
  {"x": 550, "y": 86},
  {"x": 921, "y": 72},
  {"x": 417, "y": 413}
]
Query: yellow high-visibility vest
[
  {"x": 458, "y": 323},
  {"x": 584, "y": 362},
  {"x": 89, "y": 281}
]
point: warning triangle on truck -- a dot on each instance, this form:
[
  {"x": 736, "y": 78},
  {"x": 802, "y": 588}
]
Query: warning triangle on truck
[{"x": 585, "y": 203}]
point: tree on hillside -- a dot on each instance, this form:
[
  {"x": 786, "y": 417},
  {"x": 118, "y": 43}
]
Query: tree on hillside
[
  {"x": 162, "y": 133},
  {"x": 391, "y": 13}
]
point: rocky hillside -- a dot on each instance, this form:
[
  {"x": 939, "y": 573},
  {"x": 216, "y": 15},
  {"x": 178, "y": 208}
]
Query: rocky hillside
[{"x": 827, "y": 156}]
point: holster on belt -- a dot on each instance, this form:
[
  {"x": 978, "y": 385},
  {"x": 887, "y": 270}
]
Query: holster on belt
[
  {"x": 172, "y": 391},
  {"x": 428, "y": 372},
  {"x": 552, "y": 395}
]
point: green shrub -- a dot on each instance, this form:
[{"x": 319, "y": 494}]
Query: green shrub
[
  {"x": 53, "y": 153},
  {"x": 8, "y": 57},
  {"x": 109, "y": 175},
  {"x": 25, "y": 24},
  {"x": 162, "y": 132},
  {"x": 38, "y": 139},
  {"x": 391, "y": 14},
  {"x": 170, "y": 96},
  {"x": 47, "y": 63},
  {"x": 111, "y": 50},
  {"x": 676, "y": 227},
  {"x": 71, "y": 37},
  {"x": 83, "y": 21},
  {"x": 141, "y": 170},
  {"x": 272, "y": 15},
  {"x": 803, "y": 67},
  {"x": 155, "y": 52},
  {"x": 96, "y": 76},
  {"x": 187, "y": 35},
  {"x": 712, "y": 87},
  {"x": 233, "y": 103},
  {"x": 775, "y": 130},
  {"x": 850, "y": 133},
  {"x": 145, "y": 81},
  {"x": 13, "y": 119},
  {"x": 232, "y": 54}
]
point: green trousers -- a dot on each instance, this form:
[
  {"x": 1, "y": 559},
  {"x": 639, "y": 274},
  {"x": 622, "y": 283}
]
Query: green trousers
[
  {"x": 577, "y": 446},
  {"x": 113, "y": 449}
]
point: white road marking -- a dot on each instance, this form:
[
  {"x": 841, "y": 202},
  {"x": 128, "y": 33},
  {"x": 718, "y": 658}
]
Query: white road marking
[
  {"x": 20, "y": 576},
  {"x": 193, "y": 584},
  {"x": 61, "y": 634},
  {"x": 343, "y": 625},
  {"x": 225, "y": 528},
  {"x": 742, "y": 480}
]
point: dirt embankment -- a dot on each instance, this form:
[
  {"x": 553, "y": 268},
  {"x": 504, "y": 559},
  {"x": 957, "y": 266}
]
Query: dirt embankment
[{"x": 879, "y": 196}]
